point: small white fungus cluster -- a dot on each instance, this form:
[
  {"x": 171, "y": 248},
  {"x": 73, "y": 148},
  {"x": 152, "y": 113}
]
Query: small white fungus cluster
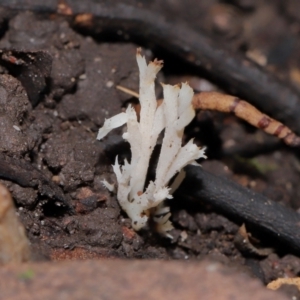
[{"x": 175, "y": 112}]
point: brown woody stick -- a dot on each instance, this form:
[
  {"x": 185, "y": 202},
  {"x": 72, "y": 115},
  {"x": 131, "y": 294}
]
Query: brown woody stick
[{"x": 244, "y": 110}]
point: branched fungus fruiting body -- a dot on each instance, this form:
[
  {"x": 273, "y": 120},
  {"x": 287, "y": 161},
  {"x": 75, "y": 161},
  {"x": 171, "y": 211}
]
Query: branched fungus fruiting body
[{"x": 172, "y": 116}]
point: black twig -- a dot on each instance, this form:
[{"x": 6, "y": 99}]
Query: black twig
[{"x": 243, "y": 204}]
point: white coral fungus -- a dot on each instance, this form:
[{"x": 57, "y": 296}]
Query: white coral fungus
[{"x": 175, "y": 112}]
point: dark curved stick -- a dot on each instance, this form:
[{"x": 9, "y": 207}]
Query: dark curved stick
[
  {"x": 249, "y": 207},
  {"x": 240, "y": 74}
]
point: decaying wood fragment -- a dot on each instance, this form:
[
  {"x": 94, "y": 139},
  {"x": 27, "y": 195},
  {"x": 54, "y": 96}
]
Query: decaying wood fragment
[{"x": 14, "y": 245}]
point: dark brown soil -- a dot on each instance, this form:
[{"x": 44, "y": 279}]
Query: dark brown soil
[{"x": 55, "y": 128}]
